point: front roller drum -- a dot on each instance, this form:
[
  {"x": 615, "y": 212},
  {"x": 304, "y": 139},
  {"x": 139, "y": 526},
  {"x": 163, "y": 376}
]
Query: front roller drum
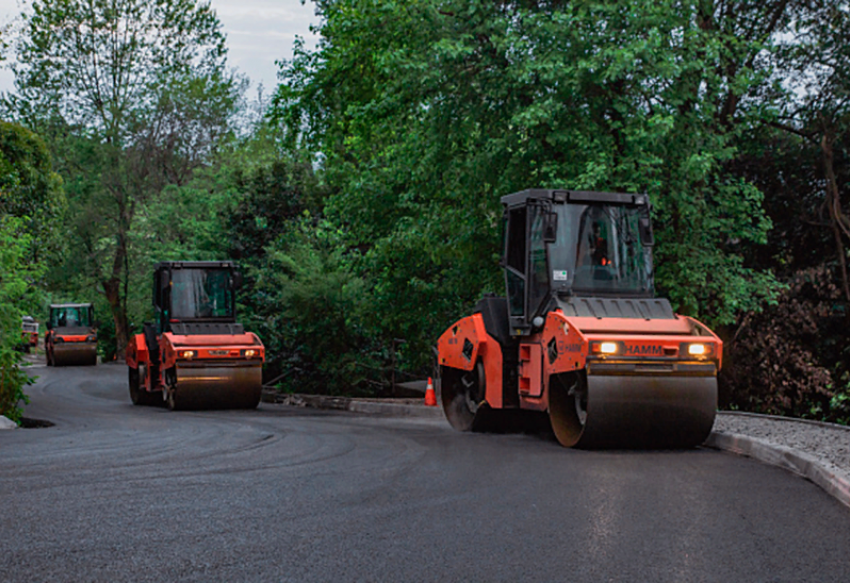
[
  {"x": 74, "y": 354},
  {"x": 601, "y": 411},
  {"x": 214, "y": 387}
]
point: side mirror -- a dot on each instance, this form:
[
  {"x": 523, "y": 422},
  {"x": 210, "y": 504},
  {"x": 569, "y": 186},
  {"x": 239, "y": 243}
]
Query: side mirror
[
  {"x": 550, "y": 227},
  {"x": 645, "y": 229}
]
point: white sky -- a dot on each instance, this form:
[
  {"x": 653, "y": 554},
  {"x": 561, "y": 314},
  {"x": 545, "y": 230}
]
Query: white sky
[{"x": 259, "y": 32}]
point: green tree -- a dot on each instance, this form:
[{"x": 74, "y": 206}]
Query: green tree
[
  {"x": 31, "y": 204},
  {"x": 814, "y": 65},
  {"x": 18, "y": 297},
  {"x": 135, "y": 95},
  {"x": 427, "y": 112}
]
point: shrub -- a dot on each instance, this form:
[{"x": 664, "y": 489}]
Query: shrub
[{"x": 786, "y": 359}]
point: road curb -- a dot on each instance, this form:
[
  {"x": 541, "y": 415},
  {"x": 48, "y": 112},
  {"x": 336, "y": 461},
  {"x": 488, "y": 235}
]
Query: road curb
[
  {"x": 786, "y": 458},
  {"x": 362, "y": 406}
]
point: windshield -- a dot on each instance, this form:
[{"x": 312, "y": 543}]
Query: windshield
[
  {"x": 201, "y": 293},
  {"x": 70, "y": 316},
  {"x": 598, "y": 250}
]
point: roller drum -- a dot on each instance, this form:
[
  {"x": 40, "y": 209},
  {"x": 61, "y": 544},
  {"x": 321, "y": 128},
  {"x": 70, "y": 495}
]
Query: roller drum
[
  {"x": 641, "y": 411},
  {"x": 214, "y": 386},
  {"x": 74, "y": 353}
]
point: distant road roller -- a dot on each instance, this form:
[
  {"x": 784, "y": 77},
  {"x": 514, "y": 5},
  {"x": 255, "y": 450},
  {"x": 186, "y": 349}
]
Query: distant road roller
[
  {"x": 195, "y": 355},
  {"x": 71, "y": 337},
  {"x": 581, "y": 336}
]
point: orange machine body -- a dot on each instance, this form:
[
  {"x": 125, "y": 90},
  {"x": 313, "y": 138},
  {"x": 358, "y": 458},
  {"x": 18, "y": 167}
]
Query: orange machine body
[
  {"x": 209, "y": 350},
  {"x": 566, "y": 344}
]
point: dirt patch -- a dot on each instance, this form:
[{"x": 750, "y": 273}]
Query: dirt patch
[{"x": 29, "y": 423}]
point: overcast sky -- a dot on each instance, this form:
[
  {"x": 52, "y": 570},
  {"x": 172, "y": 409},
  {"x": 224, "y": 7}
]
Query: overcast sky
[{"x": 259, "y": 32}]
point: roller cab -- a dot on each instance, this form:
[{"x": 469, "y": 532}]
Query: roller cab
[
  {"x": 71, "y": 337},
  {"x": 580, "y": 335},
  {"x": 195, "y": 355}
]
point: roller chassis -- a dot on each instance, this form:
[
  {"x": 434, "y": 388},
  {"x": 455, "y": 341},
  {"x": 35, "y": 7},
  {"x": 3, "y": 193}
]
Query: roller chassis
[
  {"x": 218, "y": 377},
  {"x": 72, "y": 344},
  {"x": 538, "y": 352},
  {"x": 195, "y": 355}
]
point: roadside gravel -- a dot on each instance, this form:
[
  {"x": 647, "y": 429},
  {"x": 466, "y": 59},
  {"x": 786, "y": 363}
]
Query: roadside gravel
[{"x": 828, "y": 443}]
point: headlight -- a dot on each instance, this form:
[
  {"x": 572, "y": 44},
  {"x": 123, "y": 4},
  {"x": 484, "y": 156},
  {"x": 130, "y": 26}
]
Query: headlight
[
  {"x": 250, "y": 353},
  {"x": 187, "y": 354},
  {"x": 91, "y": 338},
  {"x": 603, "y": 347},
  {"x": 697, "y": 349},
  {"x": 58, "y": 340}
]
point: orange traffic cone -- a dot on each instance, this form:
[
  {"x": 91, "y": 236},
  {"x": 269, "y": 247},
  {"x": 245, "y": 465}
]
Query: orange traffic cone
[{"x": 430, "y": 395}]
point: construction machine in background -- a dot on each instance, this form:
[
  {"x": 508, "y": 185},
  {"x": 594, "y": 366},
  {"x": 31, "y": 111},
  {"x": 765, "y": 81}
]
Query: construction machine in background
[
  {"x": 195, "y": 355},
  {"x": 71, "y": 337},
  {"x": 29, "y": 333},
  {"x": 581, "y": 336}
]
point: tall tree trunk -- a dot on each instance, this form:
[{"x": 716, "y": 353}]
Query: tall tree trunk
[
  {"x": 112, "y": 285},
  {"x": 833, "y": 204}
]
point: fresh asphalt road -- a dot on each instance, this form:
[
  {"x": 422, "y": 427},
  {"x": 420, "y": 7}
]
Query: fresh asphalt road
[{"x": 114, "y": 492}]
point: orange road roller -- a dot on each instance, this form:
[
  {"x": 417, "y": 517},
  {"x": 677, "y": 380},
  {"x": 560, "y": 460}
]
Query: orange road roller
[
  {"x": 581, "y": 336},
  {"x": 195, "y": 355},
  {"x": 71, "y": 337}
]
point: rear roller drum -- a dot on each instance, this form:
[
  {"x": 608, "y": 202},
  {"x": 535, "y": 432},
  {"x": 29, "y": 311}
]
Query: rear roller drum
[{"x": 463, "y": 396}]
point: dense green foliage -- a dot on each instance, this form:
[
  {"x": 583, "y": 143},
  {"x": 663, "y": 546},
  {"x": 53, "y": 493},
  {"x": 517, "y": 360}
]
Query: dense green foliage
[
  {"x": 31, "y": 204},
  {"x": 366, "y": 211},
  {"x": 133, "y": 97}
]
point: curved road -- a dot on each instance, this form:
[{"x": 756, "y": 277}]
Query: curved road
[{"x": 114, "y": 492}]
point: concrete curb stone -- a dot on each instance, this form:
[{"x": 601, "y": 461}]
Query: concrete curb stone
[
  {"x": 397, "y": 408},
  {"x": 6, "y": 423}
]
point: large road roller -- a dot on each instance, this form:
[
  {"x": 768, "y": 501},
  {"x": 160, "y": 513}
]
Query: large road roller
[
  {"x": 71, "y": 337},
  {"x": 195, "y": 355},
  {"x": 581, "y": 336}
]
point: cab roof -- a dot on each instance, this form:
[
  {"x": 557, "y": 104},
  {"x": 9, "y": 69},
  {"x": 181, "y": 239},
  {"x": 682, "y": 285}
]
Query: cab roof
[{"x": 577, "y": 196}]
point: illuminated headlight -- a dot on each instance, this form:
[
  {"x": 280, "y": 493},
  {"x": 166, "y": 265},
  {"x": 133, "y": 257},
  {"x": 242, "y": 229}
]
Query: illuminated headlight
[
  {"x": 187, "y": 354},
  {"x": 608, "y": 348},
  {"x": 250, "y": 353},
  {"x": 697, "y": 349},
  {"x": 604, "y": 348}
]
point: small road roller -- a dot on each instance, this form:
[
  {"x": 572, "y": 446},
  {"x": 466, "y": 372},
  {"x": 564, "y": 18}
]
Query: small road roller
[
  {"x": 71, "y": 337},
  {"x": 581, "y": 336},
  {"x": 29, "y": 333},
  {"x": 195, "y": 355}
]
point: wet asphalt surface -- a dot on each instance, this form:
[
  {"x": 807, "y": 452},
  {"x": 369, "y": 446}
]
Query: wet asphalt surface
[{"x": 114, "y": 492}]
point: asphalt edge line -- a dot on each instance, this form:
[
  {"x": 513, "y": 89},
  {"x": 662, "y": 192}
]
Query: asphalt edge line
[{"x": 794, "y": 461}]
